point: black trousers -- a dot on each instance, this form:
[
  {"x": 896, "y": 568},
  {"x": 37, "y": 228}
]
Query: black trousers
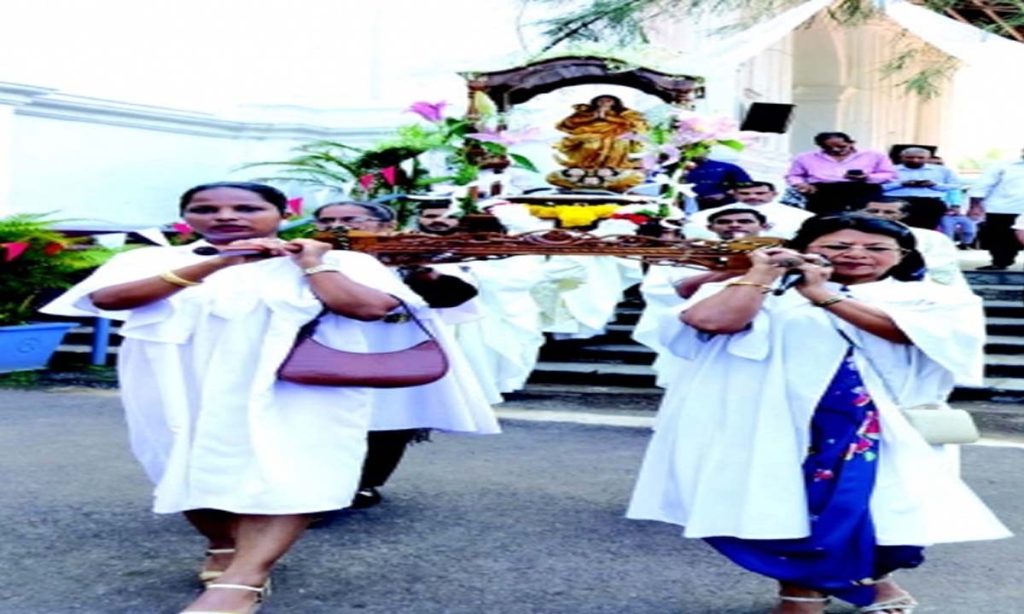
[
  {"x": 384, "y": 450},
  {"x": 999, "y": 239},
  {"x": 830, "y": 198},
  {"x": 924, "y": 212}
]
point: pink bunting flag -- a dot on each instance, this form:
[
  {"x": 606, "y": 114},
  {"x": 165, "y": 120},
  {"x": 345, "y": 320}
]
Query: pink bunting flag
[
  {"x": 295, "y": 206},
  {"x": 13, "y": 250},
  {"x": 366, "y": 181},
  {"x": 182, "y": 228},
  {"x": 390, "y": 174}
]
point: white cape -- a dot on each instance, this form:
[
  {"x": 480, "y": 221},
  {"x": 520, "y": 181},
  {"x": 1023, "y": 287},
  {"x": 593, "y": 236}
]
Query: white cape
[
  {"x": 732, "y": 434},
  {"x": 208, "y": 419}
]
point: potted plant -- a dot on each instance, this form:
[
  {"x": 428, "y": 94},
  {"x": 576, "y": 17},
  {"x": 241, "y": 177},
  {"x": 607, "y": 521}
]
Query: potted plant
[{"x": 35, "y": 261}]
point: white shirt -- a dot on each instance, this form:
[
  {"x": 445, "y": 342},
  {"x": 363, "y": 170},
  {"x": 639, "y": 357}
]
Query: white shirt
[
  {"x": 733, "y": 429},
  {"x": 1002, "y": 188},
  {"x": 785, "y": 220}
]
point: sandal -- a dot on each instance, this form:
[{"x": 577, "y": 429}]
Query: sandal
[
  {"x": 904, "y": 604},
  {"x": 262, "y": 592},
  {"x": 209, "y": 575}
]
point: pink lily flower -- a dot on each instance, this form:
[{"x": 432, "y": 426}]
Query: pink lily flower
[
  {"x": 366, "y": 181},
  {"x": 294, "y": 206},
  {"x": 430, "y": 111},
  {"x": 182, "y": 228},
  {"x": 13, "y": 249}
]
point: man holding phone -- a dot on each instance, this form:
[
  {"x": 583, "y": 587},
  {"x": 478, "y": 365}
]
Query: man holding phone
[
  {"x": 923, "y": 185},
  {"x": 838, "y": 176}
]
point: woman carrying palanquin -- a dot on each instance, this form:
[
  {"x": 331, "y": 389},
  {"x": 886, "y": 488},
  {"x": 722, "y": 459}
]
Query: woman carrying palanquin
[
  {"x": 244, "y": 456},
  {"x": 782, "y": 443}
]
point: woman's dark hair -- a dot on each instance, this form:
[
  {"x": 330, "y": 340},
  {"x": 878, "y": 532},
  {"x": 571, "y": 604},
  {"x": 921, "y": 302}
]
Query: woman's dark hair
[
  {"x": 821, "y": 137},
  {"x": 617, "y": 105},
  {"x": 268, "y": 193},
  {"x": 380, "y": 212},
  {"x": 910, "y": 268}
]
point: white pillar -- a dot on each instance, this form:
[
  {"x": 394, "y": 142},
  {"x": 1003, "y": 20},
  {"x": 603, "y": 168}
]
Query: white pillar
[{"x": 12, "y": 96}]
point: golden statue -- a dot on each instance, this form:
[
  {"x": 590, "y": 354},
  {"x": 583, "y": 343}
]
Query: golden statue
[{"x": 597, "y": 150}]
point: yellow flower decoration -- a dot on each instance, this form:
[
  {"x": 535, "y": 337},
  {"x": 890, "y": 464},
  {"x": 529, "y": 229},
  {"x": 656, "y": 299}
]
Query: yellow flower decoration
[{"x": 573, "y": 216}]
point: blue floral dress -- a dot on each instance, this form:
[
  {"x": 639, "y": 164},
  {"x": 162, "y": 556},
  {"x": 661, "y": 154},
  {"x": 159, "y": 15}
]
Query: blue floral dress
[{"x": 840, "y": 557}]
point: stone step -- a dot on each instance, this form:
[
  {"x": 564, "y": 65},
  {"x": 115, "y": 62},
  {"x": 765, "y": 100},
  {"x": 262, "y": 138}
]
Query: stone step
[
  {"x": 1002, "y": 293},
  {"x": 586, "y": 374},
  {"x": 1004, "y": 365},
  {"x": 1005, "y": 308},
  {"x": 628, "y": 353},
  {"x": 1004, "y": 326},
  {"x": 995, "y": 278},
  {"x": 1004, "y": 344}
]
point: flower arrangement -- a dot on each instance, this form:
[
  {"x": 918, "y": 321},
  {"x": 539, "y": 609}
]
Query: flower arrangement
[
  {"x": 34, "y": 259},
  {"x": 439, "y": 150},
  {"x": 574, "y": 216},
  {"x": 673, "y": 144}
]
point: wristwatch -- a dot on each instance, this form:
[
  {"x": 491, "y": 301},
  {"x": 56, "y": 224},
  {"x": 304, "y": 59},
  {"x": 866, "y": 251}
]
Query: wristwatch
[{"x": 321, "y": 268}]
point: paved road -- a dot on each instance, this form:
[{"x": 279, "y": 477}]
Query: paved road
[{"x": 526, "y": 522}]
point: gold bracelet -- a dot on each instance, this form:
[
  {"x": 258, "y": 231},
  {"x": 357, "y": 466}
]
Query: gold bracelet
[
  {"x": 832, "y": 300},
  {"x": 765, "y": 288},
  {"x": 175, "y": 280}
]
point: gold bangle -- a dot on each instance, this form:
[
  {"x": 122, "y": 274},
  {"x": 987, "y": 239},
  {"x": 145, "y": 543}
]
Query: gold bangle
[
  {"x": 765, "y": 288},
  {"x": 175, "y": 280},
  {"x": 832, "y": 300}
]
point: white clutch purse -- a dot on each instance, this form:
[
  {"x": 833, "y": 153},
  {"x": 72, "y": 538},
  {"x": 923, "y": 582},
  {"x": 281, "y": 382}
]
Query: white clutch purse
[{"x": 939, "y": 423}]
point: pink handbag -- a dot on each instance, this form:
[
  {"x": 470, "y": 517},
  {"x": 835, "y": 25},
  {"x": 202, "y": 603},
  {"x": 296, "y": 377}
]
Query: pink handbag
[{"x": 313, "y": 363}]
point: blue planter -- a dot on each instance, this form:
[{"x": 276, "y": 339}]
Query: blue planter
[{"x": 29, "y": 346}]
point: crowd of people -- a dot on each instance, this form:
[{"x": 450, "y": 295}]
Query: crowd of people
[{"x": 790, "y": 458}]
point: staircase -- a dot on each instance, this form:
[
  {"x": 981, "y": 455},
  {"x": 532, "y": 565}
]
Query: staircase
[{"x": 614, "y": 360}]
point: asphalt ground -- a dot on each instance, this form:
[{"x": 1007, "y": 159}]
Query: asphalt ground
[{"x": 530, "y": 521}]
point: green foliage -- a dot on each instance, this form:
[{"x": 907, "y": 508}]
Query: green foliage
[
  {"x": 51, "y": 262},
  {"x": 625, "y": 22},
  {"x": 338, "y": 165}
]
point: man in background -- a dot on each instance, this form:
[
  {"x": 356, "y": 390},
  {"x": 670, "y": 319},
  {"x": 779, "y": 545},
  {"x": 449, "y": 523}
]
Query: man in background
[
  {"x": 783, "y": 220},
  {"x": 923, "y": 186},
  {"x": 939, "y": 252},
  {"x": 998, "y": 197}
]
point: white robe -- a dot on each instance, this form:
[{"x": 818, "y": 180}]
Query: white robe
[
  {"x": 579, "y": 294},
  {"x": 733, "y": 430},
  {"x": 459, "y": 402},
  {"x": 503, "y": 345},
  {"x": 208, "y": 419},
  {"x": 661, "y": 304}
]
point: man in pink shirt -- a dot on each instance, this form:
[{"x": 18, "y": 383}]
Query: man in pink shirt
[{"x": 839, "y": 177}]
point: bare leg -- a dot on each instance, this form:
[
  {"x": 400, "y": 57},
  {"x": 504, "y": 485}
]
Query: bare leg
[
  {"x": 219, "y": 529},
  {"x": 259, "y": 542},
  {"x": 815, "y": 606}
]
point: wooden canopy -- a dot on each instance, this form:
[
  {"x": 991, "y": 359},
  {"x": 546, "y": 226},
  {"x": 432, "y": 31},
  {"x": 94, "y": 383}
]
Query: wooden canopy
[{"x": 517, "y": 85}]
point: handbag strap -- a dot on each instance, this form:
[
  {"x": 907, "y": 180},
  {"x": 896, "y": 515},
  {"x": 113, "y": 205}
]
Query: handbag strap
[{"x": 309, "y": 328}]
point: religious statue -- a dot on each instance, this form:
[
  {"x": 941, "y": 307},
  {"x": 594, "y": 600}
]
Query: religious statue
[{"x": 597, "y": 151}]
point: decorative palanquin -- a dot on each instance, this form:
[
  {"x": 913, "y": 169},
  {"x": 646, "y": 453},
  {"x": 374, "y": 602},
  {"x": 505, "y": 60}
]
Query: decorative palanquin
[
  {"x": 413, "y": 248},
  {"x": 513, "y": 86}
]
